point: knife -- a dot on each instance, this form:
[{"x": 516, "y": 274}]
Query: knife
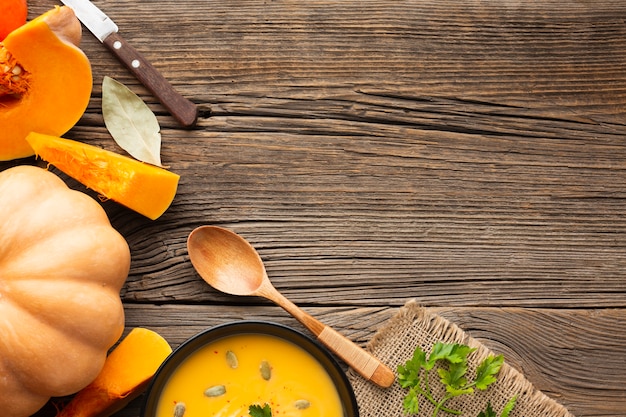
[{"x": 106, "y": 30}]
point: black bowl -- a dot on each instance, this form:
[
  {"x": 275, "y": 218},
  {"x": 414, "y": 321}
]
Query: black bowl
[{"x": 315, "y": 349}]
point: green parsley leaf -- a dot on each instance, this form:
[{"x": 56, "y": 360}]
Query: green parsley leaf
[
  {"x": 454, "y": 375},
  {"x": 488, "y": 412},
  {"x": 451, "y": 360},
  {"x": 505, "y": 412},
  {"x": 453, "y": 353},
  {"x": 409, "y": 374},
  {"x": 509, "y": 407},
  {"x": 411, "y": 403},
  {"x": 258, "y": 411},
  {"x": 487, "y": 371}
]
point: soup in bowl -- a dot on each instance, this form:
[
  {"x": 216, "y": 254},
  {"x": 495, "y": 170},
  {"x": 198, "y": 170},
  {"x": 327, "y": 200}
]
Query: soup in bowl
[{"x": 249, "y": 368}]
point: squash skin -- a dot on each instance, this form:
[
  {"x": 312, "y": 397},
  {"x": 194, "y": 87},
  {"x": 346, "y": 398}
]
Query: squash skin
[
  {"x": 62, "y": 266},
  {"x": 60, "y": 81}
]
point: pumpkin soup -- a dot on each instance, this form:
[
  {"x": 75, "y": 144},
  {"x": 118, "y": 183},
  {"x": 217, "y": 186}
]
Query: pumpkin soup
[{"x": 226, "y": 377}]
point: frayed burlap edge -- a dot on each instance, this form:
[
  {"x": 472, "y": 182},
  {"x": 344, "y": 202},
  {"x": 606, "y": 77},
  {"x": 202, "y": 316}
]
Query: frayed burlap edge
[{"x": 413, "y": 325}]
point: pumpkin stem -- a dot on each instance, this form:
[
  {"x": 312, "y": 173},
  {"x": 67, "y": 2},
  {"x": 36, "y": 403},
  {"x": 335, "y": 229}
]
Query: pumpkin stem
[{"x": 14, "y": 79}]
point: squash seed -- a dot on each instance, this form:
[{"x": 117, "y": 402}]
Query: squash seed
[
  {"x": 231, "y": 359},
  {"x": 215, "y": 391},
  {"x": 266, "y": 370},
  {"x": 302, "y": 404},
  {"x": 179, "y": 410}
]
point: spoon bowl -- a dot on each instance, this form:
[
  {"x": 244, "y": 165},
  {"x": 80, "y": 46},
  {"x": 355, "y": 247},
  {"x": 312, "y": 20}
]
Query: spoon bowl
[{"x": 228, "y": 263}]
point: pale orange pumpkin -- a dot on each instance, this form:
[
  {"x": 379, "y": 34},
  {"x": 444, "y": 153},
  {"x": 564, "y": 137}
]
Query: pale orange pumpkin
[{"x": 62, "y": 266}]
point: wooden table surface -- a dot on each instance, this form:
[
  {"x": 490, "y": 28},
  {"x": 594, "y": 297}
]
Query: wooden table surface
[{"x": 468, "y": 154}]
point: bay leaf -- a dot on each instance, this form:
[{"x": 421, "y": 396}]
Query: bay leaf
[{"x": 130, "y": 121}]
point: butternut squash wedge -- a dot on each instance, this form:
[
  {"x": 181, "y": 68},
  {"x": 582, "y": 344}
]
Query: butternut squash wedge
[
  {"x": 126, "y": 374},
  {"x": 144, "y": 188},
  {"x": 45, "y": 80}
]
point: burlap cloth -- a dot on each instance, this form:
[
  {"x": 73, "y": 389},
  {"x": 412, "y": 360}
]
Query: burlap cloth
[{"x": 413, "y": 325}]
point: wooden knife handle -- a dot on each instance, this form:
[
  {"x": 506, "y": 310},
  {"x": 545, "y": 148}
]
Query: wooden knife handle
[{"x": 181, "y": 108}]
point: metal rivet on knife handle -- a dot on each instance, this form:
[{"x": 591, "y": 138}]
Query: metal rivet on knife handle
[
  {"x": 106, "y": 30},
  {"x": 181, "y": 108}
]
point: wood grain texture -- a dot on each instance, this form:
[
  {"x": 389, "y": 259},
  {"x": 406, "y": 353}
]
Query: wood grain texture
[{"x": 469, "y": 154}]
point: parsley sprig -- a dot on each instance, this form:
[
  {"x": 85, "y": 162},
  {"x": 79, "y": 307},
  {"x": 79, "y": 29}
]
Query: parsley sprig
[
  {"x": 505, "y": 412},
  {"x": 414, "y": 375},
  {"x": 256, "y": 410}
]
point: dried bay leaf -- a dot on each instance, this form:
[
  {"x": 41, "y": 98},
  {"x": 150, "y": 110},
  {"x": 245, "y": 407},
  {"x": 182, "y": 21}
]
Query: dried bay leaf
[{"x": 131, "y": 122}]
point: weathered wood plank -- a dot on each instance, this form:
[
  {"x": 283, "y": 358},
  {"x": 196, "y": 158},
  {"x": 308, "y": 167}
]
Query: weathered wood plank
[
  {"x": 545, "y": 59},
  {"x": 389, "y": 140},
  {"x": 556, "y": 58},
  {"x": 342, "y": 212},
  {"x": 468, "y": 154}
]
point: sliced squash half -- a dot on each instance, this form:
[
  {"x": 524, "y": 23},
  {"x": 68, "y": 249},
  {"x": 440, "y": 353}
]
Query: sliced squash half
[{"x": 45, "y": 80}]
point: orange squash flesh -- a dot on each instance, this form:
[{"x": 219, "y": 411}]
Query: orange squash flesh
[
  {"x": 13, "y": 14},
  {"x": 144, "y": 188},
  {"x": 126, "y": 373},
  {"x": 45, "y": 80}
]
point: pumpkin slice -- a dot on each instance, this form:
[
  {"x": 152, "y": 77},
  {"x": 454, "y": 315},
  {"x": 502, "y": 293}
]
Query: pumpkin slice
[
  {"x": 45, "y": 80},
  {"x": 147, "y": 189},
  {"x": 126, "y": 374}
]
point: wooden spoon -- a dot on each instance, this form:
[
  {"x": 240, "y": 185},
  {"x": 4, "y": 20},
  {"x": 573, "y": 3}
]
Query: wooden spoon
[{"x": 228, "y": 263}]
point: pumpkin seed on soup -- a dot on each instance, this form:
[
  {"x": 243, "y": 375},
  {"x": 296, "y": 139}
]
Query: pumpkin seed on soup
[
  {"x": 302, "y": 404},
  {"x": 231, "y": 359},
  {"x": 215, "y": 391},
  {"x": 179, "y": 410},
  {"x": 266, "y": 370}
]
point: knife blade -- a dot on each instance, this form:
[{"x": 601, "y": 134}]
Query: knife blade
[{"x": 103, "y": 28}]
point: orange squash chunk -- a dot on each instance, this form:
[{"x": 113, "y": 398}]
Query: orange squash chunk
[
  {"x": 45, "y": 80},
  {"x": 126, "y": 373},
  {"x": 144, "y": 188}
]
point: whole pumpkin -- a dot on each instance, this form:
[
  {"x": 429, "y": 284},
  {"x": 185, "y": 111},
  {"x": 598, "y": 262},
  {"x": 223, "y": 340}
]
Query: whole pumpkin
[{"x": 62, "y": 266}]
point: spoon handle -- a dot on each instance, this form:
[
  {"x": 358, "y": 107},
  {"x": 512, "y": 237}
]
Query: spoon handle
[
  {"x": 356, "y": 357},
  {"x": 359, "y": 359}
]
